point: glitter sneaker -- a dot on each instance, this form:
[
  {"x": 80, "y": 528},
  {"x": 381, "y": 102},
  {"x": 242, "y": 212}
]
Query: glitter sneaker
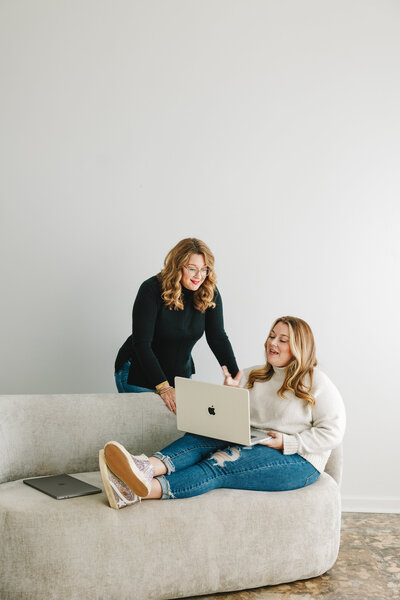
[
  {"x": 135, "y": 471},
  {"x": 118, "y": 493}
]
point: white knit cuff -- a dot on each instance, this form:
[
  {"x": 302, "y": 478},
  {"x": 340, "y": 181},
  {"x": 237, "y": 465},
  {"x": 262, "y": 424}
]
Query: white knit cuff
[{"x": 290, "y": 444}]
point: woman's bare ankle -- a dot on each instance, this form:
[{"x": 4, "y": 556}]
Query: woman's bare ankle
[
  {"x": 158, "y": 465},
  {"x": 155, "y": 492}
]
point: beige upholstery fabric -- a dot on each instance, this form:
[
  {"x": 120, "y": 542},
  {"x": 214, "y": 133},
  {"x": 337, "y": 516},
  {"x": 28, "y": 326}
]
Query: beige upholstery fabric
[
  {"x": 49, "y": 434},
  {"x": 43, "y": 435},
  {"x": 80, "y": 548}
]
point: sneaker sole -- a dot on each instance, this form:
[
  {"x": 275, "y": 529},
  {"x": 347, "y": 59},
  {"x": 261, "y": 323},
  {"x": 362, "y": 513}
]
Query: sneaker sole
[
  {"x": 120, "y": 463},
  {"x": 104, "y": 476}
]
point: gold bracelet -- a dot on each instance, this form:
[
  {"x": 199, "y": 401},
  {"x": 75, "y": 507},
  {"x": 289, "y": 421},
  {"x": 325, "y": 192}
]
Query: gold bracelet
[
  {"x": 165, "y": 390},
  {"x": 162, "y": 385}
]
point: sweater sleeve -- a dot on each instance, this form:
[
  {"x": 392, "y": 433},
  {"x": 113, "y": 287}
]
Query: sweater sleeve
[
  {"x": 144, "y": 316},
  {"x": 328, "y": 424},
  {"x": 217, "y": 338}
]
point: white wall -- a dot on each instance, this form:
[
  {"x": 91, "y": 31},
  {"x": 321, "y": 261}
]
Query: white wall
[{"x": 269, "y": 129}]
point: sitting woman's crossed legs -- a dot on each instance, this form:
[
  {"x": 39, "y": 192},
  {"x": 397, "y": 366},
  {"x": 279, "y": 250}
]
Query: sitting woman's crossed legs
[{"x": 193, "y": 465}]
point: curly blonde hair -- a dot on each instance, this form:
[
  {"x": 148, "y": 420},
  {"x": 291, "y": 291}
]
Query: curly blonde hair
[
  {"x": 171, "y": 275},
  {"x": 302, "y": 346}
]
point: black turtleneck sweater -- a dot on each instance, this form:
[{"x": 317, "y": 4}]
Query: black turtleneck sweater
[{"x": 162, "y": 340}]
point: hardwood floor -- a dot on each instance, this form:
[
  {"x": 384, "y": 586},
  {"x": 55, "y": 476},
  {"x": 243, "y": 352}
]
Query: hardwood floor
[{"x": 368, "y": 566}]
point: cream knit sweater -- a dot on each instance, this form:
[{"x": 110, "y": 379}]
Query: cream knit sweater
[{"x": 311, "y": 432}]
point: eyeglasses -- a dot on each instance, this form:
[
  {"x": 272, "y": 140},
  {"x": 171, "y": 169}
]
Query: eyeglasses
[{"x": 194, "y": 271}]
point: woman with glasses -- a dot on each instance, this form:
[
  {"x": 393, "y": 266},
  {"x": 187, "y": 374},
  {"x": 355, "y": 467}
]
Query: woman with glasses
[{"x": 171, "y": 312}]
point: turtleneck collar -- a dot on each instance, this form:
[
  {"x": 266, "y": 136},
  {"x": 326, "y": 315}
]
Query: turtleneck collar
[
  {"x": 186, "y": 292},
  {"x": 279, "y": 372}
]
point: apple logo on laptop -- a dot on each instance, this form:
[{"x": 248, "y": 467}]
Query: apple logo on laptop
[{"x": 211, "y": 410}]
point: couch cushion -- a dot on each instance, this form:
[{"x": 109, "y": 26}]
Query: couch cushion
[{"x": 223, "y": 540}]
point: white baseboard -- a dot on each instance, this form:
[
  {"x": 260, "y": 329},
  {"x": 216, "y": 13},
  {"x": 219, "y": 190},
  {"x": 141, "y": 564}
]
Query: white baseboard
[{"x": 370, "y": 505}]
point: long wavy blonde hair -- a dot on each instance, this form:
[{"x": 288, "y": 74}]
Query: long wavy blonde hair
[
  {"x": 171, "y": 275},
  {"x": 302, "y": 346}
]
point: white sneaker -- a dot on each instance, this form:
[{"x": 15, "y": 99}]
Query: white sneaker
[
  {"x": 136, "y": 472},
  {"x": 118, "y": 494}
]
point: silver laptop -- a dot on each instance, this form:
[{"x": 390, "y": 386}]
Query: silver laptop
[
  {"x": 62, "y": 486},
  {"x": 216, "y": 411}
]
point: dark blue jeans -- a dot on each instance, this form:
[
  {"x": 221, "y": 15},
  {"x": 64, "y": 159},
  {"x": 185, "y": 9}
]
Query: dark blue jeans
[
  {"x": 197, "y": 464},
  {"x": 121, "y": 380}
]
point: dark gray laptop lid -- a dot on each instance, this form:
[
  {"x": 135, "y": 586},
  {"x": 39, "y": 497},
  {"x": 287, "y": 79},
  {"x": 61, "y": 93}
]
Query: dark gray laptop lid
[{"x": 62, "y": 486}]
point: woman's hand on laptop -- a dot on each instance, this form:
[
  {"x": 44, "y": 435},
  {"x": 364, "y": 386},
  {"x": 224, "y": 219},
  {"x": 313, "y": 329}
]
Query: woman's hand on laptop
[
  {"x": 229, "y": 380},
  {"x": 169, "y": 398},
  {"x": 276, "y": 440}
]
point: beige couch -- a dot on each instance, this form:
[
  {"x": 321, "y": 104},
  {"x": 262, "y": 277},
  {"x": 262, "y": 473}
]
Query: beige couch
[{"x": 81, "y": 549}]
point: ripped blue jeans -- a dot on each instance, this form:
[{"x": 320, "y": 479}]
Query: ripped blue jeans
[{"x": 197, "y": 464}]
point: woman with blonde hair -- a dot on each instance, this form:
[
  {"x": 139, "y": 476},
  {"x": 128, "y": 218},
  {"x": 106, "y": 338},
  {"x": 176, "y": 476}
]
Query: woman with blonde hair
[
  {"x": 295, "y": 403},
  {"x": 171, "y": 312}
]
